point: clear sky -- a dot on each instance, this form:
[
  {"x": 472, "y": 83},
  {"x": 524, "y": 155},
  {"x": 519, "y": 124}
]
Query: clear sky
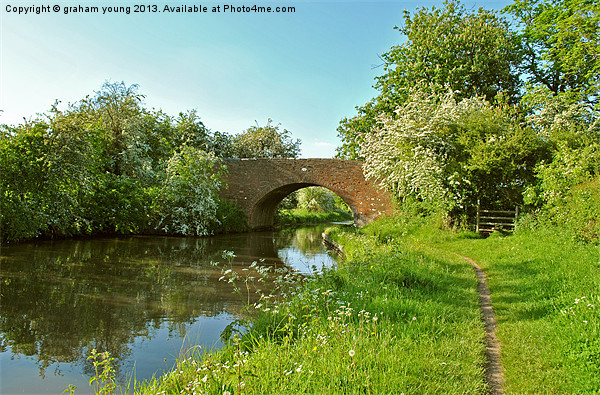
[{"x": 306, "y": 69}]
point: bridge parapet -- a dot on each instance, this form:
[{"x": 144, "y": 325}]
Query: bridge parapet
[{"x": 258, "y": 185}]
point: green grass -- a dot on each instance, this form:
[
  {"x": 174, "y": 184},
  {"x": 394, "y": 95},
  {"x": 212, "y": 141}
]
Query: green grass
[
  {"x": 293, "y": 217},
  {"x": 546, "y": 295}
]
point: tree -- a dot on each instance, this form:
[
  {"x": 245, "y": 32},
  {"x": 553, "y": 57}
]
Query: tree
[
  {"x": 265, "y": 142},
  {"x": 316, "y": 200},
  {"x": 561, "y": 45},
  {"x": 188, "y": 201},
  {"x": 192, "y": 132},
  {"x": 573, "y": 132},
  {"x": 114, "y": 115},
  {"x": 97, "y": 167},
  {"x": 45, "y": 170},
  {"x": 471, "y": 53},
  {"x": 451, "y": 152},
  {"x": 474, "y": 54}
]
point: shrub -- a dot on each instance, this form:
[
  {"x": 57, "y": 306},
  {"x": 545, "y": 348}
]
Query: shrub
[
  {"x": 188, "y": 199},
  {"x": 230, "y": 217},
  {"x": 582, "y": 211}
]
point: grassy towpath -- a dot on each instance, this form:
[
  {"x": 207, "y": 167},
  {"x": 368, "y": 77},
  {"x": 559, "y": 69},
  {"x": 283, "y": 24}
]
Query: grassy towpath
[
  {"x": 546, "y": 296},
  {"x": 545, "y": 290},
  {"x": 493, "y": 364}
]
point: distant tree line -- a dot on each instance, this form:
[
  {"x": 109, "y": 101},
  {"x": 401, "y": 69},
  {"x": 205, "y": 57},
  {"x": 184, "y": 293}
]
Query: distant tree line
[
  {"x": 501, "y": 108},
  {"x": 107, "y": 164}
]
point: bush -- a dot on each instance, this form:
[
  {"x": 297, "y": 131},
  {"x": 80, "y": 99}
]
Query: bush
[
  {"x": 449, "y": 153},
  {"x": 230, "y": 217},
  {"x": 188, "y": 199},
  {"x": 582, "y": 211},
  {"x": 116, "y": 205}
]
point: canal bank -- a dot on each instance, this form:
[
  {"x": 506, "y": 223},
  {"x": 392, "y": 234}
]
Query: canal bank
[
  {"x": 392, "y": 317},
  {"x": 144, "y": 299}
]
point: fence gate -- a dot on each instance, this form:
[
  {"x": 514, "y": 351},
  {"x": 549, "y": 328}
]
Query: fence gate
[{"x": 491, "y": 220}]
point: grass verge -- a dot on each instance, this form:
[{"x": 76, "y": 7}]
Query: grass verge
[{"x": 293, "y": 217}]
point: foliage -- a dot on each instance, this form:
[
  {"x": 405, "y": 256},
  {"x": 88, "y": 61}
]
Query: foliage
[
  {"x": 192, "y": 132},
  {"x": 106, "y": 164},
  {"x": 312, "y": 205},
  {"x": 117, "y": 205},
  {"x": 556, "y": 118},
  {"x": 187, "y": 202},
  {"x": 581, "y": 211},
  {"x": 472, "y": 53},
  {"x": 543, "y": 144},
  {"x": 265, "y": 142},
  {"x": 573, "y": 132},
  {"x": 104, "y": 376},
  {"x": 319, "y": 199},
  {"x": 561, "y": 45},
  {"x": 44, "y": 172},
  {"x": 230, "y": 217},
  {"x": 113, "y": 119},
  {"x": 299, "y": 216},
  {"x": 289, "y": 202},
  {"x": 451, "y": 153}
]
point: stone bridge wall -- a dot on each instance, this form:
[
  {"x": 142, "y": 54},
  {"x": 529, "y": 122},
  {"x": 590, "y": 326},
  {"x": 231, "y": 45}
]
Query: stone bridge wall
[{"x": 258, "y": 185}]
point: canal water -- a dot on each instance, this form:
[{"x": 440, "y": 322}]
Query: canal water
[{"x": 143, "y": 299}]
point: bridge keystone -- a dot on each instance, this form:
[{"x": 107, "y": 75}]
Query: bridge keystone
[{"x": 258, "y": 185}]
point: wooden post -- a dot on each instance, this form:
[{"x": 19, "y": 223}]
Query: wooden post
[
  {"x": 477, "y": 227},
  {"x": 516, "y": 217}
]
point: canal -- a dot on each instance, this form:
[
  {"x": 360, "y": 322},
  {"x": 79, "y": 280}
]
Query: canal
[{"x": 144, "y": 299}]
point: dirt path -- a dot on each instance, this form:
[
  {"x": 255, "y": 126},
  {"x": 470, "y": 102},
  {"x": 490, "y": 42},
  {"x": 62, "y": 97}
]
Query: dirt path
[{"x": 493, "y": 368}]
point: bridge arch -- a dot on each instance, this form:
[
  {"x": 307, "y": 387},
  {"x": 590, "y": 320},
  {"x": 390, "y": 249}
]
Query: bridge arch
[{"x": 258, "y": 185}]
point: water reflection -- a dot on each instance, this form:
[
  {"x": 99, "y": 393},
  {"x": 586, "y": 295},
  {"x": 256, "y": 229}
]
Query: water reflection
[{"x": 141, "y": 298}]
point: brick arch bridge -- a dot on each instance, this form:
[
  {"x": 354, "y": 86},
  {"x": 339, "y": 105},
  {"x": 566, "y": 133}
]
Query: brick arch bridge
[{"x": 258, "y": 185}]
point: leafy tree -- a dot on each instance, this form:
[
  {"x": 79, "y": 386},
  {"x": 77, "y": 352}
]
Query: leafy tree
[
  {"x": 114, "y": 118},
  {"x": 44, "y": 171},
  {"x": 316, "y": 199},
  {"x": 561, "y": 45},
  {"x": 573, "y": 132},
  {"x": 265, "y": 142},
  {"x": 472, "y": 53},
  {"x": 449, "y": 153},
  {"x": 188, "y": 201},
  {"x": 561, "y": 60},
  {"x": 98, "y": 167},
  {"x": 192, "y": 132},
  {"x": 130, "y": 147},
  {"x": 567, "y": 185}
]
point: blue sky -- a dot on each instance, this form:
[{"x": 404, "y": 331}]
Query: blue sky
[{"x": 306, "y": 70}]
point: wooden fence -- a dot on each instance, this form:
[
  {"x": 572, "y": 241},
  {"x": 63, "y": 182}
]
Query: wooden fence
[{"x": 489, "y": 221}]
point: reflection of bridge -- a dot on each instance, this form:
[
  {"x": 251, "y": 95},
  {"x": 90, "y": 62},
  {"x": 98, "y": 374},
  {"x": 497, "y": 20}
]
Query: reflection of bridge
[{"x": 258, "y": 185}]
